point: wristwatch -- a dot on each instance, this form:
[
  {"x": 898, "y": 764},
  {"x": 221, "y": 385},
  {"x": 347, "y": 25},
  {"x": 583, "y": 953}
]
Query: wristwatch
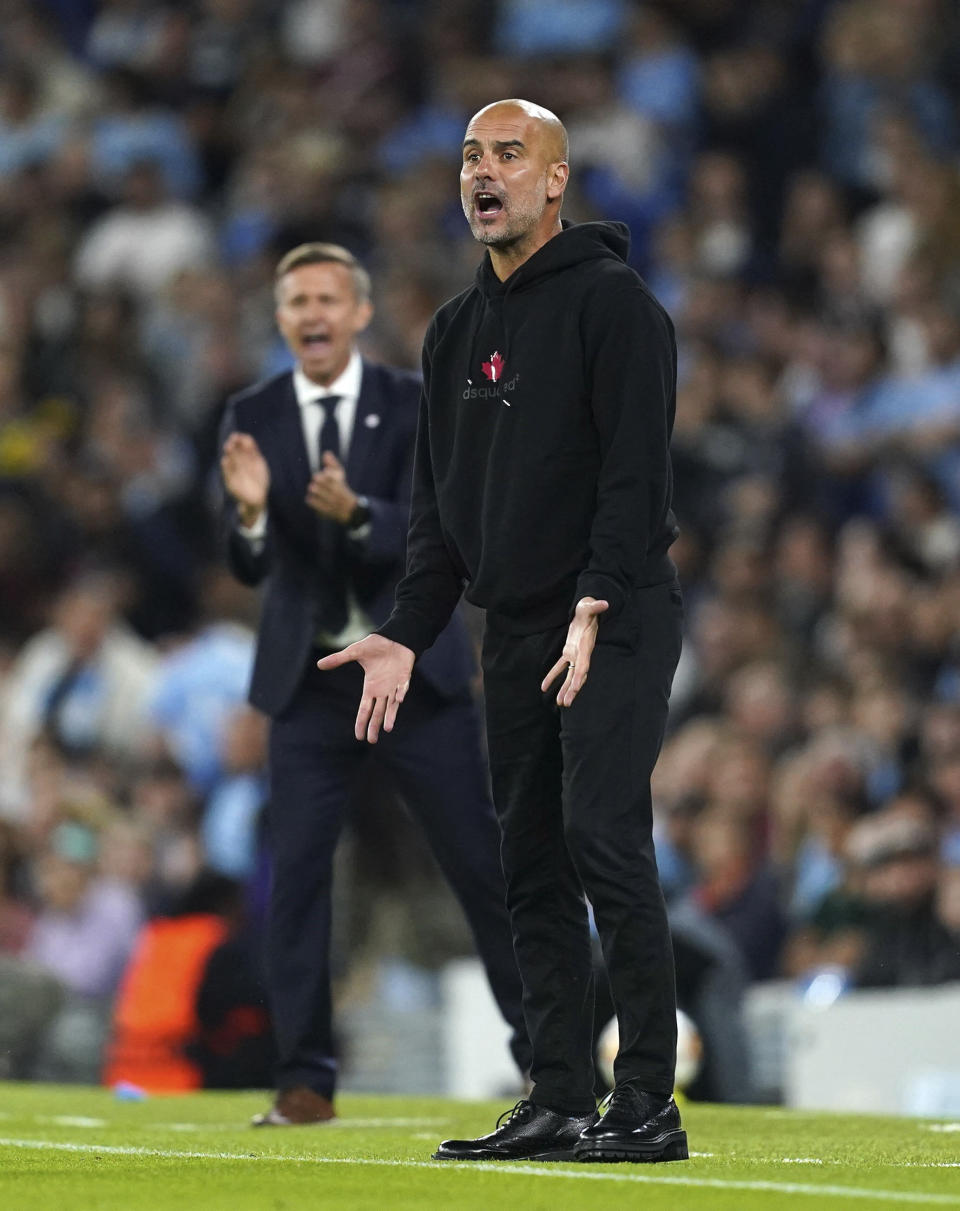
[{"x": 360, "y": 515}]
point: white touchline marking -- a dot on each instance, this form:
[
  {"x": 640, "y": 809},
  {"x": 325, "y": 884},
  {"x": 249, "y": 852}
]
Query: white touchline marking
[
  {"x": 69, "y": 1120},
  {"x": 939, "y": 1126},
  {"x": 545, "y": 1170},
  {"x": 235, "y": 1125},
  {"x": 801, "y": 1160},
  {"x": 388, "y": 1122}
]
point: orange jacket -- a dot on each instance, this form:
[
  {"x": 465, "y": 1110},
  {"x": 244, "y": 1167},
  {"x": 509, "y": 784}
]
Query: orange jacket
[{"x": 154, "y": 1016}]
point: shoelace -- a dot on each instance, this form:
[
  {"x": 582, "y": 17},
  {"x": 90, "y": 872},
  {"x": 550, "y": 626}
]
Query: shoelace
[
  {"x": 515, "y": 1112},
  {"x": 622, "y": 1095},
  {"x": 626, "y": 1097}
]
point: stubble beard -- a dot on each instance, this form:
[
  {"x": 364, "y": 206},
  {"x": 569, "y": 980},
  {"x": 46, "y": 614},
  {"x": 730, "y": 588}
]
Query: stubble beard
[{"x": 520, "y": 222}]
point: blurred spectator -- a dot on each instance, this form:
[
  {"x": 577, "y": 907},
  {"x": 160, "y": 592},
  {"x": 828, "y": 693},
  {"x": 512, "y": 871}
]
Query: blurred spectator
[
  {"x": 232, "y": 815},
  {"x": 922, "y": 524},
  {"x": 623, "y": 155},
  {"x": 221, "y": 43},
  {"x": 82, "y": 936},
  {"x": 190, "y": 1011},
  {"x": 30, "y": 998},
  {"x": 813, "y": 205},
  {"x": 194, "y": 343},
  {"x": 143, "y": 243},
  {"x": 32, "y": 41},
  {"x": 760, "y": 705},
  {"x": 124, "y": 32},
  {"x": 757, "y": 108},
  {"x": 543, "y": 27},
  {"x": 879, "y": 54},
  {"x": 719, "y": 214},
  {"x": 163, "y": 805},
  {"x": 739, "y": 891},
  {"x": 131, "y": 132},
  {"x": 85, "y": 926},
  {"x": 16, "y": 919},
  {"x": 199, "y": 685},
  {"x": 29, "y": 134},
  {"x": 907, "y": 942},
  {"x": 83, "y": 681},
  {"x": 659, "y": 75}
]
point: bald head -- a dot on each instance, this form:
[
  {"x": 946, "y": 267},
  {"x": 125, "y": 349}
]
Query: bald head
[{"x": 551, "y": 130}]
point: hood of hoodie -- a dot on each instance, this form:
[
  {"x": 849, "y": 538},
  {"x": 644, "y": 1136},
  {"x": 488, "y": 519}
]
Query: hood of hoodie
[{"x": 576, "y": 243}]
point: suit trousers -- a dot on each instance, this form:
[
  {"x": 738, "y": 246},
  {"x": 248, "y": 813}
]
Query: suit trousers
[
  {"x": 436, "y": 763},
  {"x": 571, "y": 787}
]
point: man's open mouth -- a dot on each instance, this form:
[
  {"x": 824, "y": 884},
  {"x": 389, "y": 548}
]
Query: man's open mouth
[
  {"x": 315, "y": 340},
  {"x": 487, "y": 203}
]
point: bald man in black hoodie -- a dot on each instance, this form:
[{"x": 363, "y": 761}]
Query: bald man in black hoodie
[{"x": 542, "y": 488}]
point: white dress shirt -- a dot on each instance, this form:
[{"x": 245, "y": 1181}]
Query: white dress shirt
[
  {"x": 347, "y": 386},
  {"x": 308, "y": 393}
]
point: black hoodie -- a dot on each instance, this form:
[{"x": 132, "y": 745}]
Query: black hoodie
[{"x": 542, "y": 470}]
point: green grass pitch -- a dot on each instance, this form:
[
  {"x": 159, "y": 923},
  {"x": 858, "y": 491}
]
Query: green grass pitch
[{"x": 79, "y": 1149}]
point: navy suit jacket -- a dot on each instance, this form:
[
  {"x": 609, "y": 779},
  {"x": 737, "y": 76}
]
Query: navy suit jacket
[{"x": 379, "y": 466}]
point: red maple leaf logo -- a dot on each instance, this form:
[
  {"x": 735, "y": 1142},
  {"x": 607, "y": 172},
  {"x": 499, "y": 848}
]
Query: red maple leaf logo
[{"x": 494, "y": 368}]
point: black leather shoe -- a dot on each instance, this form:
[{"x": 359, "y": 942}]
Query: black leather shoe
[
  {"x": 636, "y": 1126},
  {"x": 526, "y": 1133}
]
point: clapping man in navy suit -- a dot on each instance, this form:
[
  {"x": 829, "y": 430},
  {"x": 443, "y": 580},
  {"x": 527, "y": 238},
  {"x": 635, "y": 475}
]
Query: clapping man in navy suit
[{"x": 317, "y": 468}]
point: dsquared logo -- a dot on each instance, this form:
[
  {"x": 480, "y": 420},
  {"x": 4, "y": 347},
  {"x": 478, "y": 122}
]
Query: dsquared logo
[{"x": 494, "y": 391}]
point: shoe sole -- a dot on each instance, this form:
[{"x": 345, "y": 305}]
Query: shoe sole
[
  {"x": 567, "y": 1155},
  {"x": 671, "y": 1146}
]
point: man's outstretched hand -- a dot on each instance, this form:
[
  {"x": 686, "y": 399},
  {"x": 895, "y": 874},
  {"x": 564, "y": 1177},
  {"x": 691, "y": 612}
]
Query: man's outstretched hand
[
  {"x": 387, "y": 667},
  {"x": 574, "y": 664}
]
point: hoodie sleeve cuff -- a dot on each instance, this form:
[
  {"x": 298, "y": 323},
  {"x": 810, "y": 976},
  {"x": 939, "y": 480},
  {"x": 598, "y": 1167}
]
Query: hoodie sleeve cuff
[
  {"x": 414, "y": 633},
  {"x": 603, "y": 588}
]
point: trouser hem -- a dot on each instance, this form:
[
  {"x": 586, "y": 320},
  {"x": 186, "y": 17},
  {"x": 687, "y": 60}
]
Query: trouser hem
[{"x": 560, "y": 1105}]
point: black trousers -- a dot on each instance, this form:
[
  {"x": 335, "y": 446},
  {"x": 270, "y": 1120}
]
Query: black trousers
[
  {"x": 572, "y": 793},
  {"x": 436, "y": 763}
]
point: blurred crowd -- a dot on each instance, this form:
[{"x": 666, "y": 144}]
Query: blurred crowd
[{"x": 790, "y": 173}]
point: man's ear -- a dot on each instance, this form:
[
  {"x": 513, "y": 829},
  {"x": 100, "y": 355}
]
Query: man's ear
[
  {"x": 363, "y": 317},
  {"x": 557, "y": 177}
]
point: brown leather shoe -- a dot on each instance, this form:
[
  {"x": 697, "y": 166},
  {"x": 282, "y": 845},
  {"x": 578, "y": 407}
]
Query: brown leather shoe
[{"x": 295, "y": 1107}]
